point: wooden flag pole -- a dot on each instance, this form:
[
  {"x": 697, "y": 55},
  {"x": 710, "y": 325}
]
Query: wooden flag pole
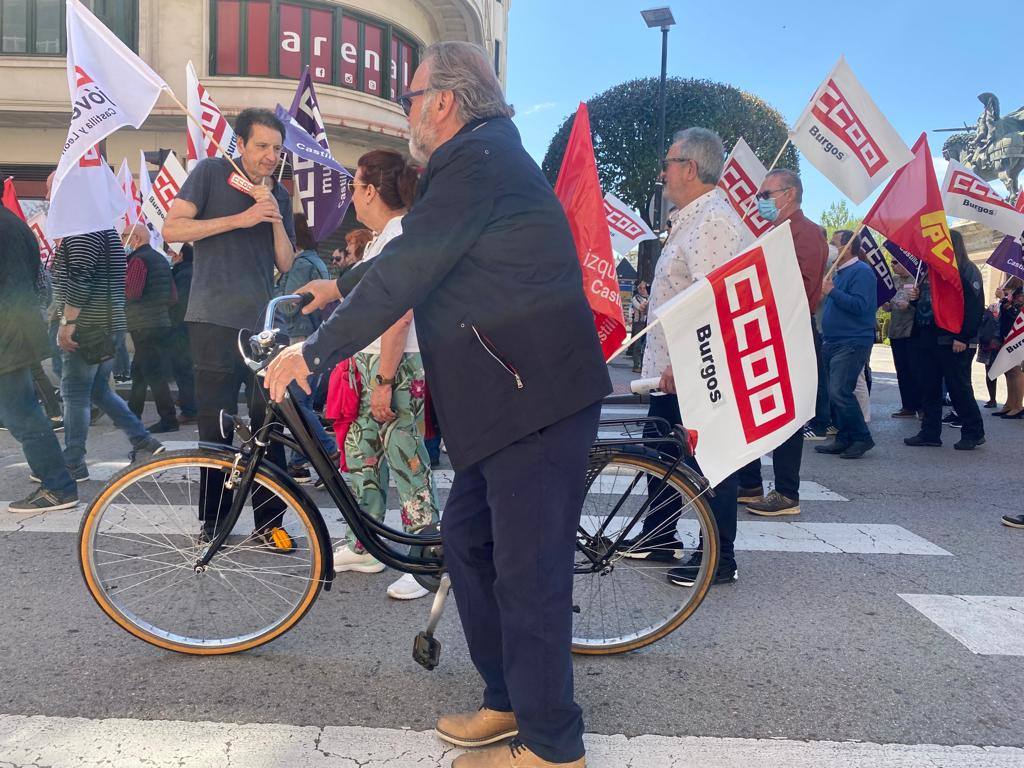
[
  {"x": 206, "y": 133},
  {"x": 839, "y": 258},
  {"x": 626, "y": 344}
]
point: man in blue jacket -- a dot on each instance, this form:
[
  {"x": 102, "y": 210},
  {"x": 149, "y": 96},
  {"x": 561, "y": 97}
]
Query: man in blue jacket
[
  {"x": 848, "y": 332},
  {"x": 513, "y": 362}
]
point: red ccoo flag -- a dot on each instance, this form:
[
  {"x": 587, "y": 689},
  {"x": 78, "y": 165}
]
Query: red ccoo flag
[
  {"x": 579, "y": 191},
  {"x": 10, "y": 199},
  {"x": 910, "y": 213}
]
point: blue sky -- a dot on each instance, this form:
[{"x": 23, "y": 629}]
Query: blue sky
[{"x": 922, "y": 63}]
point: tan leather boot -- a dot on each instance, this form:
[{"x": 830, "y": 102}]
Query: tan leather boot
[
  {"x": 514, "y": 755},
  {"x": 477, "y": 729}
]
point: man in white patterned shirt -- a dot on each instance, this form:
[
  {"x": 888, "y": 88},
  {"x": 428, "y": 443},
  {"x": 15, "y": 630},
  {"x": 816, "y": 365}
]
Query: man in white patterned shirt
[{"x": 706, "y": 233}]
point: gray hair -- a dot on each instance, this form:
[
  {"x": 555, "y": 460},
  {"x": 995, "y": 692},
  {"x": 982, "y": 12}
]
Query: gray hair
[
  {"x": 789, "y": 179},
  {"x": 705, "y": 148},
  {"x": 463, "y": 69}
]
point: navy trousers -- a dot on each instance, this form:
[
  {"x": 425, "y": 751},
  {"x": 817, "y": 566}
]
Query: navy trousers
[{"x": 509, "y": 530}]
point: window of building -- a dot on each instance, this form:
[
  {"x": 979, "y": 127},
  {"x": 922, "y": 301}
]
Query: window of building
[
  {"x": 37, "y": 27},
  {"x": 497, "y": 58},
  {"x": 280, "y": 38}
]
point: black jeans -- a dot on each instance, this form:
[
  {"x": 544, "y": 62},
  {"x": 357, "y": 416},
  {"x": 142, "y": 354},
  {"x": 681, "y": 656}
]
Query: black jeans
[
  {"x": 509, "y": 543},
  {"x": 822, "y": 404},
  {"x": 906, "y": 373},
  {"x": 151, "y": 369},
  {"x": 786, "y": 461},
  {"x": 722, "y": 503},
  {"x": 220, "y": 374},
  {"x": 182, "y": 370},
  {"x": 938, "y": 363}
]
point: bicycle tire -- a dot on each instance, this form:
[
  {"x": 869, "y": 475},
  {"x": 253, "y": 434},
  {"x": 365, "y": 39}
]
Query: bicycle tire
[
  {"x": 656, "y": 467},
  {"x": 310, "y": 578}
]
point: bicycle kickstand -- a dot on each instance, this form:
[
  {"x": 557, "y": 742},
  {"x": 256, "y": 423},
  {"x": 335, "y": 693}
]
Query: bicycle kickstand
[{"x": 426, "y": 649}]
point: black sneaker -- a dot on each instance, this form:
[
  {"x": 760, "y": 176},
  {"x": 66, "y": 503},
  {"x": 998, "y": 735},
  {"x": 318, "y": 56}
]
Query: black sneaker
[
  {"x": 857, "y": 448},
  {"x": 147, "y": 449},
  {"x": 917, "y": 441},
  {"x": 968, "y": 444},
  {"x": 162, "y": 427},
  {"x": 300, "y": 474},
  {"x": 832, "y": 449},
  {"x": 952, "y": 419},
  {"x": 774, "y": 505},
  {"x": 1013, "y": 521},
  {"x": 904, "y": 413},
  {"x": 745, "y": 495},
  {"x": 643, "y": 547},
  {"x": 42, "y": 500},
  {"x": 686, "y": 575},
  {"x": 57, "y": 424},
  {"x": 811, "y": 434}
]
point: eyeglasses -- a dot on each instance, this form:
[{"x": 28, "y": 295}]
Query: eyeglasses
[
  {"x": 406, "y": 99},
  {"x": 667, "y": 160},
  {"x": 352, "y": 184},
  {"x": 766, "y": 195}
]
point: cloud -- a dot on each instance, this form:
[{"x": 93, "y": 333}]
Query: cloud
[{"x": 537, "y": 108}]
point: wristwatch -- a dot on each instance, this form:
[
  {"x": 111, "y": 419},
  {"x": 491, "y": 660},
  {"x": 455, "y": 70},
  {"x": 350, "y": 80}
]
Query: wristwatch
[
  {"x": 64, "y": 321},
  {"x": 382, "y": 381}
]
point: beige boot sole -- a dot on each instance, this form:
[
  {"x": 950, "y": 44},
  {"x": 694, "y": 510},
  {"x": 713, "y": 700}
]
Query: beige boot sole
[{"x": 478, "y": 742}]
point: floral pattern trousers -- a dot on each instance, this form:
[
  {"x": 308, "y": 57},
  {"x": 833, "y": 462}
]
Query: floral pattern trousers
[{"x": 375, "y": 451}]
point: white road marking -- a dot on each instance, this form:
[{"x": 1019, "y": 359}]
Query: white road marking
[
  {"x": 987, "y": 625},
  {"x": 60, "y": 742}
]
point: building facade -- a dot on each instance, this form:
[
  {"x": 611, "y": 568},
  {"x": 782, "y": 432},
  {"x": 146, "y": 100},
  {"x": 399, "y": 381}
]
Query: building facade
[{"x": 361, "y": 54}]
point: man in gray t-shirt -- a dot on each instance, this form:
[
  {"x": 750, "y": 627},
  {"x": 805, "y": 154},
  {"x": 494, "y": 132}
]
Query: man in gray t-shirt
[{"x": 241, "y": 226}]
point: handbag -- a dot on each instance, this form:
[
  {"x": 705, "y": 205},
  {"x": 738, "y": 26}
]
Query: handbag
[{"x": 96, "y": 344}]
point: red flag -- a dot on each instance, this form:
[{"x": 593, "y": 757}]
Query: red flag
[
  {"x": 910, "y": 213},
  {"x": 579, "y": 191},
  {"x": 1020, "y": 202},
  {"x": 10, "y": 199}
]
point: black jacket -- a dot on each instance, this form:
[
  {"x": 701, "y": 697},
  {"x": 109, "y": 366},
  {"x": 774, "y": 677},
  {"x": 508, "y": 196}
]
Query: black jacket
[
  {"x": 150, "y": 310},
  {"x": 23, "y": 339},
  {"x": 488, "y": 262}
]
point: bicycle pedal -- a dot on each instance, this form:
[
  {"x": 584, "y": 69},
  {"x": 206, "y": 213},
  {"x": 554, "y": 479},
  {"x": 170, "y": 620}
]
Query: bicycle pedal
[{"x": 426, "y": 651}]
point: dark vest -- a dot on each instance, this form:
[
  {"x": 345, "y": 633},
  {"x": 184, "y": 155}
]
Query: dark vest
[{"x": 151, "y": 311}]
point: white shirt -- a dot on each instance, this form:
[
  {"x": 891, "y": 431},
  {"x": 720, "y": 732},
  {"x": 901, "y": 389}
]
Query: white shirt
[
  {"x": 391, "y": 230},
  {"x": 705, "y": 234}
]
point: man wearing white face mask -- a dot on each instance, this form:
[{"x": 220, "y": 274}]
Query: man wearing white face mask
[{"x": 778, "y": 201}]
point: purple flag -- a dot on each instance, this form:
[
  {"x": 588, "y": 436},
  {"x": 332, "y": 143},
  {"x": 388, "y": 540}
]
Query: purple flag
[
  {"x": 876, "y": 260},
  {"x": 323, "y": 192},
  {"x": 910, "y": 262},
  {"x": 1008, "y": 257}
]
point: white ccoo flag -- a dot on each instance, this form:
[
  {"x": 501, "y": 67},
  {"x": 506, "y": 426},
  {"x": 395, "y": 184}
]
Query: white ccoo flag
[
  {"x": 742, "y": 176},
  {"x": 165, "y": 188},
  {"x": 90, "y": 199},
  {"x": 202, "y": 107},
  {"x": 1012, "y": 352},
  {"x": 845, "y": 136},
  {"x": 626, "y": 227},
  {"x": 743, "y": 355},
  {"x": 966, "y": 196},
  {"x": 156, "y": 240}
]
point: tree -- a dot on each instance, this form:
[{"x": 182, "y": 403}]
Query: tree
[
  {"x": 838, "y": 216},
  {"x": 624, "y": 121}
]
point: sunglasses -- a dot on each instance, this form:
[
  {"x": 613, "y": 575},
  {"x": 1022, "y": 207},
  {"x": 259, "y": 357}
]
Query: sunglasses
[
  {"x": 352, "y": 184},
  {"x": 667, "y": 160},
  {"x": 406, "y": 99},
  {"x": 766, "y": 195}
]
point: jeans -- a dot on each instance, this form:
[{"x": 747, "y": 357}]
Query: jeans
[
  {"x": 786, "y": 460},
  {"x": 122, "y": 364},
  {"x": 181, "y": 369},
  {"x": 21, "y": 413},
  {"x": 906, "y": 374},
  {"x": 151, "y": 370},
  {"x": 822, "y": 406},
  {"x": 83, "y": 384},
  {"x": 845, "y": 362},
  {"x": 304, "y": 403}
]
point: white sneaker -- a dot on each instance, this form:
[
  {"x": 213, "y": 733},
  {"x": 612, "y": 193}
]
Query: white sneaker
[
  {"x": 347, "y": 560},
  {"x": 407, "y": 588}
]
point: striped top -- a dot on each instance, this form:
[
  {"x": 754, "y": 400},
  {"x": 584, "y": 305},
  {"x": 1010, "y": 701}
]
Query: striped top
[{"x": 85, "y": 269}]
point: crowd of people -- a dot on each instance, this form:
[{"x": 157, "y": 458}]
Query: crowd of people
[{"x": 455, "y": 244}]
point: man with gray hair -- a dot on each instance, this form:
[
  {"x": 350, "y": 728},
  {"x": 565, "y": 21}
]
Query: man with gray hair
[
  {"x": 706, "y": 233},
  {"x": 778, "y": 201},
  {"x": 487, "y": 260}
]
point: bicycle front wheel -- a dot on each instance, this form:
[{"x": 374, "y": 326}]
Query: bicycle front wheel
[
  {"x": 633, "y": 501},
  {"x": 141, "y": 538}
]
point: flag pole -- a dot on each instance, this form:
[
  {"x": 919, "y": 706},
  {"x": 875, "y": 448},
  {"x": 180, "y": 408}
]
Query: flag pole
[
  {"x": 205, "y": 132},
  {"x": 628, "y": 342},
  {"x": 917, "y": 277},
  {"x": 280, "y": 173},
  {"x": 839, "y": 258}
]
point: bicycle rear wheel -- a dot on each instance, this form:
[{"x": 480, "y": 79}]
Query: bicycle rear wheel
[
  {"x": 140, "y": 540},
  {"x": 629, "y": 603}
]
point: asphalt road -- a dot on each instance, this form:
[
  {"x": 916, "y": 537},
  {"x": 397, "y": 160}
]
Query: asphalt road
[{"x": 806, "y": 646}]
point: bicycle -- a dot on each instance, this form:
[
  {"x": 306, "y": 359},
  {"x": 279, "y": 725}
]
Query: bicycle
[{"x": 151, "y": 569}]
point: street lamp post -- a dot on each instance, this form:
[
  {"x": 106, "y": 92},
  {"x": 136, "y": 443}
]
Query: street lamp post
[{"x": 659, "y": 17}]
